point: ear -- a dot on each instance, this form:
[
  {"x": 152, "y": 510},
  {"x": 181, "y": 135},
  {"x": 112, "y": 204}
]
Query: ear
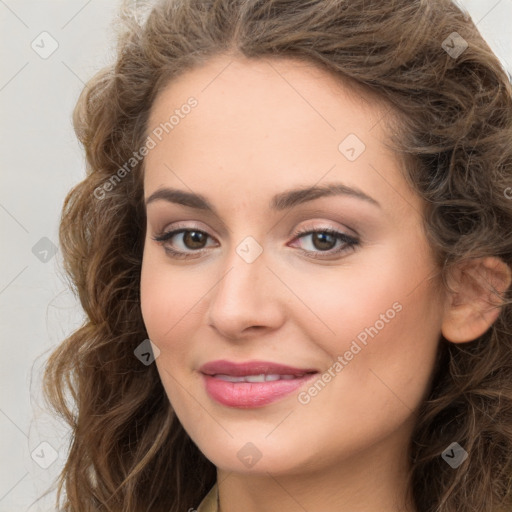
[{"x": 474, "y": 302}]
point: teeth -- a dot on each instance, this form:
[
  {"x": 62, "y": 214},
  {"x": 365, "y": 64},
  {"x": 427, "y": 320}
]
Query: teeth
[
  {"x": 229, "y": 378},
  {"x": 254, "y": 378}
]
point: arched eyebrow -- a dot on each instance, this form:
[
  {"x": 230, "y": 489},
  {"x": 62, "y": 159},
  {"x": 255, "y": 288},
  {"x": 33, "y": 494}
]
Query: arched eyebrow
[
  {"x": 291, "y": 198},
  {"x": 282, "y": 201}
]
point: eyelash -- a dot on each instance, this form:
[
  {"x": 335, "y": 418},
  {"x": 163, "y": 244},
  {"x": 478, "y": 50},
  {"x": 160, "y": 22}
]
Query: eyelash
[{"x": 350, "y": 243}]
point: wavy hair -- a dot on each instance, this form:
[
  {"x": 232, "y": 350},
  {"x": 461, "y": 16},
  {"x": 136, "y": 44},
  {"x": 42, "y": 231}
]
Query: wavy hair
[{"x": 128, "y": 451}]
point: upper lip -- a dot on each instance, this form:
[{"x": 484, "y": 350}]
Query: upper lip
[{"x": 224, "y": 367}]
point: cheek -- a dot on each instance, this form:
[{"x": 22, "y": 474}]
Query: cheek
[
  {"x": 385, "y": 290},
  {"x": 155, "y": 302},
  {"x": 384, "y": 318},
  {"x": 381, "y": 380},
  {"x": 167, "y": 297},
  {"x": 384, "y": 343},
  {"x": 167, "y": 306}
]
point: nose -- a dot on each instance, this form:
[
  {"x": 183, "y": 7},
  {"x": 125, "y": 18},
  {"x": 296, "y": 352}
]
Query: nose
[{"x": 248, "y": 299}]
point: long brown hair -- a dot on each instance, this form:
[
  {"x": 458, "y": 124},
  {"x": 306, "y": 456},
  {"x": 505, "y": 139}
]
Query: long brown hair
[{"x": 128, "y": 450}]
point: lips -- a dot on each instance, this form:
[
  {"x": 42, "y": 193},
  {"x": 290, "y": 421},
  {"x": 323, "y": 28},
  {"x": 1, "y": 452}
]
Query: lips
[
  {"x": 252, "y": 384},
  {"x": 223, "y": 367}
]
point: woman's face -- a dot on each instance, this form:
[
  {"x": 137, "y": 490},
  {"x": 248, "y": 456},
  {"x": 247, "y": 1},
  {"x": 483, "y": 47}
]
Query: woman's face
[{"x": 356, "y": 304}]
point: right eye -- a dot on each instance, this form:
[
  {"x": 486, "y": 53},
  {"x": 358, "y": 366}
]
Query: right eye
[{"x": 192, "y": 241}]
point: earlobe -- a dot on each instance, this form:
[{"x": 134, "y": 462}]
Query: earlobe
[{"x": 475, "y": 301}]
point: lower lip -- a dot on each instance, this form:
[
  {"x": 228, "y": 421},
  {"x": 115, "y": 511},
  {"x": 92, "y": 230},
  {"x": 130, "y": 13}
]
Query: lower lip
[{"x": 251, "y": 394}]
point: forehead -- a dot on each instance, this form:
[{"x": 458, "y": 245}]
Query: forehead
[
  {"x": 294, "y": 88},
  {"x": 266, "y": 125}
]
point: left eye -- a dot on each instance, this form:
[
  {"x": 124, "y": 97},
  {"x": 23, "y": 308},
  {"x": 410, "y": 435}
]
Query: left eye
[{"x": 323, "y": 241}]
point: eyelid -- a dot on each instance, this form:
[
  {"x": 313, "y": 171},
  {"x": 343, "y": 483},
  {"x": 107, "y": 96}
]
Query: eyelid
[
  {"x": 319, "y": 225},
  {"x": 176, "y": 226}
]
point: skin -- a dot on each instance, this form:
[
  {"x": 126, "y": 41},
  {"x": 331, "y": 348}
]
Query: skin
[{"x": 261, "y": 128}]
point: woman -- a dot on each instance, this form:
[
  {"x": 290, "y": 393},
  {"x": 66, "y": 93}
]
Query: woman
[{"x": 303, "y": 206}]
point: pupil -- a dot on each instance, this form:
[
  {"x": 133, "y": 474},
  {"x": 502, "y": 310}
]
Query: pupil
[
  {"x": 193, "y": 237},
  {"x": 321, "y": 237}
]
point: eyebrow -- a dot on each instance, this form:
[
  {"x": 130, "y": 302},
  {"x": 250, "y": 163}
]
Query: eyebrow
[{"x": 282, "y": 201}]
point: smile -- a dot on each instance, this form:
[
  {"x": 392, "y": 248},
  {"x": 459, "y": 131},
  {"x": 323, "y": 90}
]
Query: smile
[{"x": 253, "y": 383}]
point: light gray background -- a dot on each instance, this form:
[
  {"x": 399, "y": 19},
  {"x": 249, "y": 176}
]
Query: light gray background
[{"x": 40, "y": 161}]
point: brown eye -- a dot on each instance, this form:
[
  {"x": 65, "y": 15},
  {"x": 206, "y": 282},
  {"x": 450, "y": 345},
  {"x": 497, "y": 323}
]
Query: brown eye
[
  {"x": 183, "y": 242},
  {"x": 318, "y": 243},
  {"x": 194, "y": 239},
  {"x": 323, "y": 241}
]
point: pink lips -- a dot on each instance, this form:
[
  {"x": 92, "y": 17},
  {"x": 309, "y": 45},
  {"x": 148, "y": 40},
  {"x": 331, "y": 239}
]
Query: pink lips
[{"x": 283, "y": 380}]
